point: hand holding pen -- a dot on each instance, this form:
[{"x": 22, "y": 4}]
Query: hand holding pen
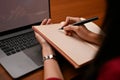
[
  {"x": 78, "y": 22},
  {"x": 73, "y": 25}
]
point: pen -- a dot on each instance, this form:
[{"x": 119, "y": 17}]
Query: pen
[{"x": 83, "y": 21}]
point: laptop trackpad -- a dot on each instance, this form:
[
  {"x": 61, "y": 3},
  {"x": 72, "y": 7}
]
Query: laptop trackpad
[
  {"x": 35, "y": 54},
  {"x": 18, "y": 64}
]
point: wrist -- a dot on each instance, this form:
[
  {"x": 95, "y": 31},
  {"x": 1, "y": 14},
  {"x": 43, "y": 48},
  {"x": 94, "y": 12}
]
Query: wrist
[
  {"x": 48, "y": 57},
  {"x": 44, "y": 44},
  {"x": 95, "y": 38}
]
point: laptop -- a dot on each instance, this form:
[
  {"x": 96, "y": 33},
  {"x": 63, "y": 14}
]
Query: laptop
[{"x": 20, "y": 52}]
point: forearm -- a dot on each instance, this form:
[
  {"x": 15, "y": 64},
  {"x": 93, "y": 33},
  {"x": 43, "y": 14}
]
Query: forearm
[
  {"x": 51, "y": 66},
  {"x": 96, "y": 38},
  {"x": 52, "y": 70}
]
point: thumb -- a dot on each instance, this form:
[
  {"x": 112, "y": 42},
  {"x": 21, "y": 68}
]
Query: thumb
[{"x": 40, "y": 38}]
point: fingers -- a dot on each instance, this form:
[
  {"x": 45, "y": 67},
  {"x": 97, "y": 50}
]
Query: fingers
[
  {"x": 70, "y": 20},
  {"x": 46, "y": 48},
  {"x": 62, "y": 23},
  {"x": 46, "y": 21},
  {"x": 40, "y": 39},
  {"x": 69, "y": 30},
  {"x": 70, "y": 27}
]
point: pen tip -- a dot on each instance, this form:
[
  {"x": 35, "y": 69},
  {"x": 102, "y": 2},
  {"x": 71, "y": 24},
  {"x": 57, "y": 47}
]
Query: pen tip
[{"x": 61, "y": 28}]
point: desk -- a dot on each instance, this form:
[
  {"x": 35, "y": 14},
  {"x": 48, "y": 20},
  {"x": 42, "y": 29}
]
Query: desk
[{"x": 59, "y": 10}]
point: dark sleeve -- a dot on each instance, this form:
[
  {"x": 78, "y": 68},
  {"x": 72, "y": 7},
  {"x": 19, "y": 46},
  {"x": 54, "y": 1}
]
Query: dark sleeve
[{"x": 110, "y": 71}]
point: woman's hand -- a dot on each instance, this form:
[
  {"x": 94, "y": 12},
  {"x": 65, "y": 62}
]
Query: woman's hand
[
  {"x": 51, "y": 67},
  {"x": 40, "y": 39},
  {"x": 81, "y": 31},
  {"x": 46, "y": 48}
]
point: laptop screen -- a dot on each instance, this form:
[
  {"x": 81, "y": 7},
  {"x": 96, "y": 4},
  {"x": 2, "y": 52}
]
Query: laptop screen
[{"x": 19, "y": 13}]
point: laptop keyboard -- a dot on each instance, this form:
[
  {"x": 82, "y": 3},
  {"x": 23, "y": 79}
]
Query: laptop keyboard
[{"x": 18, "y": 43}]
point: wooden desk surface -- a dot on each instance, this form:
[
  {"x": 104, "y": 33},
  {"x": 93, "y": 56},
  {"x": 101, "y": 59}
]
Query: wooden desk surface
[{"x": 59, "y": 10}]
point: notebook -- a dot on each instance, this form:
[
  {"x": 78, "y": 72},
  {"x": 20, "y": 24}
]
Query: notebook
[
  {"x": 20, "y": 53},
  {"x": 74, "y": 49}
]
